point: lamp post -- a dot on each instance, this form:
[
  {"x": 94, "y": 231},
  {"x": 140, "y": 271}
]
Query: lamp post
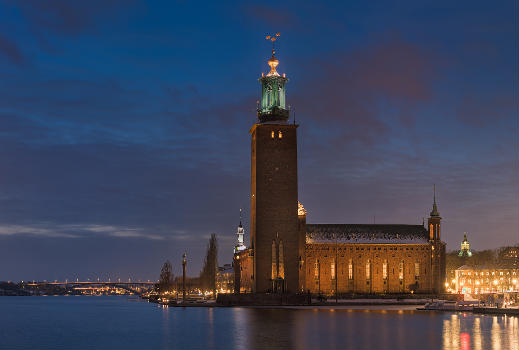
[
  {"x": 184, "y": 277},
  {"x": 336, "y": 269},
  {"x": 319, "y": 276}
]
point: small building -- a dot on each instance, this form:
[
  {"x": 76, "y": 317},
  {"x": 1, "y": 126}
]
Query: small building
[{"x": 225, "y": 279}]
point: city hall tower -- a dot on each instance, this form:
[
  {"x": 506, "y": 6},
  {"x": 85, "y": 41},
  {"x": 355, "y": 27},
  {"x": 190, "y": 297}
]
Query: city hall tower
[{"x": 275, "y": 241}]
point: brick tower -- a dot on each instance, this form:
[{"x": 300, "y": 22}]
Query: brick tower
[{"x": 274, "y": 218}]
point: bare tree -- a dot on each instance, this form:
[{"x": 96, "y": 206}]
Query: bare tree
[{"x": 166, "y": 278}]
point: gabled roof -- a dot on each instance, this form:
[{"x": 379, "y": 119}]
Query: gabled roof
[{"x": 366, "y": 233}]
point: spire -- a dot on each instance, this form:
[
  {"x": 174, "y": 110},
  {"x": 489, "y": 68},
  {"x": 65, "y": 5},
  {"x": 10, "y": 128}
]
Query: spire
[
  {"x": 240, "y": 225},
  {"x": 434, "y": 211}
]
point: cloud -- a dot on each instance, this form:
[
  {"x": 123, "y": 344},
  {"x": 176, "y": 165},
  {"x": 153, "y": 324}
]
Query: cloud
[
  {"x": 481, "y": 110},
  {"x": 11, "y": 230},
  {"x": 358, "y": 99},
  {"x": 77, "y": 231},
  {"x": 11, "y": 51},
  {"x": 273, "y": 16},
  {"x": 70, "y": 18}
]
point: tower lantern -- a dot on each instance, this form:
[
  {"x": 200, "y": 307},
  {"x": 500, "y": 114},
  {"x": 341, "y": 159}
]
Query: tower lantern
[{"x": 273, "y": 102}]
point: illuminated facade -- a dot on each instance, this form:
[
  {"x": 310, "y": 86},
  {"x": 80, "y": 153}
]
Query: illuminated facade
[
  {"x": 289, "y": 255},
  {"x": 480, "y": 280}
]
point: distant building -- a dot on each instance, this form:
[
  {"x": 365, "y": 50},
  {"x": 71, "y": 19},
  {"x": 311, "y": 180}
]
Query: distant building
[
  {"x": 225, "y": 279},
  {"x": 288, "y": 255},
  {"x": 482, "y": 280},
  {"x": 465, "y": 247},
  {"x": 509, "y": 257}
]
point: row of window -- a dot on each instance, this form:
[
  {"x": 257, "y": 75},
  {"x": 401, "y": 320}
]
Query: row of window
[
  {"x": 487, "y": 273},
  {"x": 273, "y": 134},
  {"x": 317, "y": 268}
]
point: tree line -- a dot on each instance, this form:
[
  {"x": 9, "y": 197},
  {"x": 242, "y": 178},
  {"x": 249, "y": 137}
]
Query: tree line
[{"x": 207, "y": 278}]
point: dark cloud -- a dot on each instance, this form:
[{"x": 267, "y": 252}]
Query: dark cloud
[
  {"x": 363, "y": 93},
  {"x": 275, "y": 17},
  {"x": 11, "y": 51},
  {"x": 478, "y": 111},
  {"x": 69, "y": 18}
]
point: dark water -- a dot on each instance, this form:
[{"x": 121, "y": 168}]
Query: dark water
[{"x": 128, "y": 323}]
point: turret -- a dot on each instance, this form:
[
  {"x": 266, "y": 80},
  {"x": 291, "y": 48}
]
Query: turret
[
  {"x": 272, "y": 107},
  {"x": 240, "y": 233}
]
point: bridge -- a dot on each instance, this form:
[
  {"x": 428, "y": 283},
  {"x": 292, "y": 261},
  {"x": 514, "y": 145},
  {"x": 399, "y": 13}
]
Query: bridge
[
  {"x": 104, "y": 283},
  {"x": 137, "y": 287}
]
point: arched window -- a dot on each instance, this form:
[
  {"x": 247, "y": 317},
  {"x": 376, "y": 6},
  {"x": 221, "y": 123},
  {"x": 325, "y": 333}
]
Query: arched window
[
  {"x": 368, "y": 269},
  {"x": 272, "y": 134},
  {"x": 280, "y": 135}
]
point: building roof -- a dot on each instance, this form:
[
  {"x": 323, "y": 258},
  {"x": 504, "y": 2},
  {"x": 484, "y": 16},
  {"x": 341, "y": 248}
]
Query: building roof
[{"x": 366, "y": 233}]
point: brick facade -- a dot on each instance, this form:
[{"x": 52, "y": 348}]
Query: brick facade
[
  {"x": 274, "y": 205},
  {"x": 360, "y": 268}
]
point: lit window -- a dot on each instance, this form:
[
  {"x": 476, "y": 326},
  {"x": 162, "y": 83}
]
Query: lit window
[
  {"x": 316, "y": 269},
  {"x": 401, "y": 270},
  {"x": 368, "y": 269},
  {"x": 384, "y": 270},
  {"x": 416, "y": 269},
  {"x": 272, "y": 134},
  {"x": 332, "y": 269},
  {"x": 350, "y": 270},
  {"x": 280, "y": 135}
]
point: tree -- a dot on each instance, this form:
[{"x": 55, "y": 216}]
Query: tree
[
  {"x": 166, "y": 278},
  {"x": 208, "y": 273}
]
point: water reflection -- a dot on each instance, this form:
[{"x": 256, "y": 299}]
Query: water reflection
[
  {"x": 54, "y": 323},
  {"x": 496, "y": 334},
  {"x": 476, "y": 332}
]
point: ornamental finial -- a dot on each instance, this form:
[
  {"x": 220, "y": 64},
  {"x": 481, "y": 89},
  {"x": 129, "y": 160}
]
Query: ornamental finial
[{"x": 273, "y": 62}]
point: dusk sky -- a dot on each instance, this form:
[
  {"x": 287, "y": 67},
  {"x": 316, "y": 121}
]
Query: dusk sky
[{"x": 124, "y": 125}]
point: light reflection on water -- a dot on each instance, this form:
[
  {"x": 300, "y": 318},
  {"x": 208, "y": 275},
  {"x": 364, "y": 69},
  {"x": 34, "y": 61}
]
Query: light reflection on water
[
  {"x": 117, "y": 323},
  {"x": 465, "y": 331}
]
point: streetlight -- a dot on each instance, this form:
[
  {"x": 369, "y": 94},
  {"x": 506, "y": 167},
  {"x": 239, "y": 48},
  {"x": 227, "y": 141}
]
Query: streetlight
[{"x": 184, "y": 262}]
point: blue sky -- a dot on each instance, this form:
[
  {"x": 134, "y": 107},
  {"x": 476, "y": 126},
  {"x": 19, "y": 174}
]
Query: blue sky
[{"x": 124, "y": 124}]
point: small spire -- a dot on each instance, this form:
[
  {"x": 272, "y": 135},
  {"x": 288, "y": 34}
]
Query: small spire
[
  {"x": 434, "y": 211},
  {"x": 240, "y": 219}
]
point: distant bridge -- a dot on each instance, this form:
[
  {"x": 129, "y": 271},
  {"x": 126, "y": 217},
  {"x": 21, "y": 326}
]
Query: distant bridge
[{"x": 104, "y": 283}]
